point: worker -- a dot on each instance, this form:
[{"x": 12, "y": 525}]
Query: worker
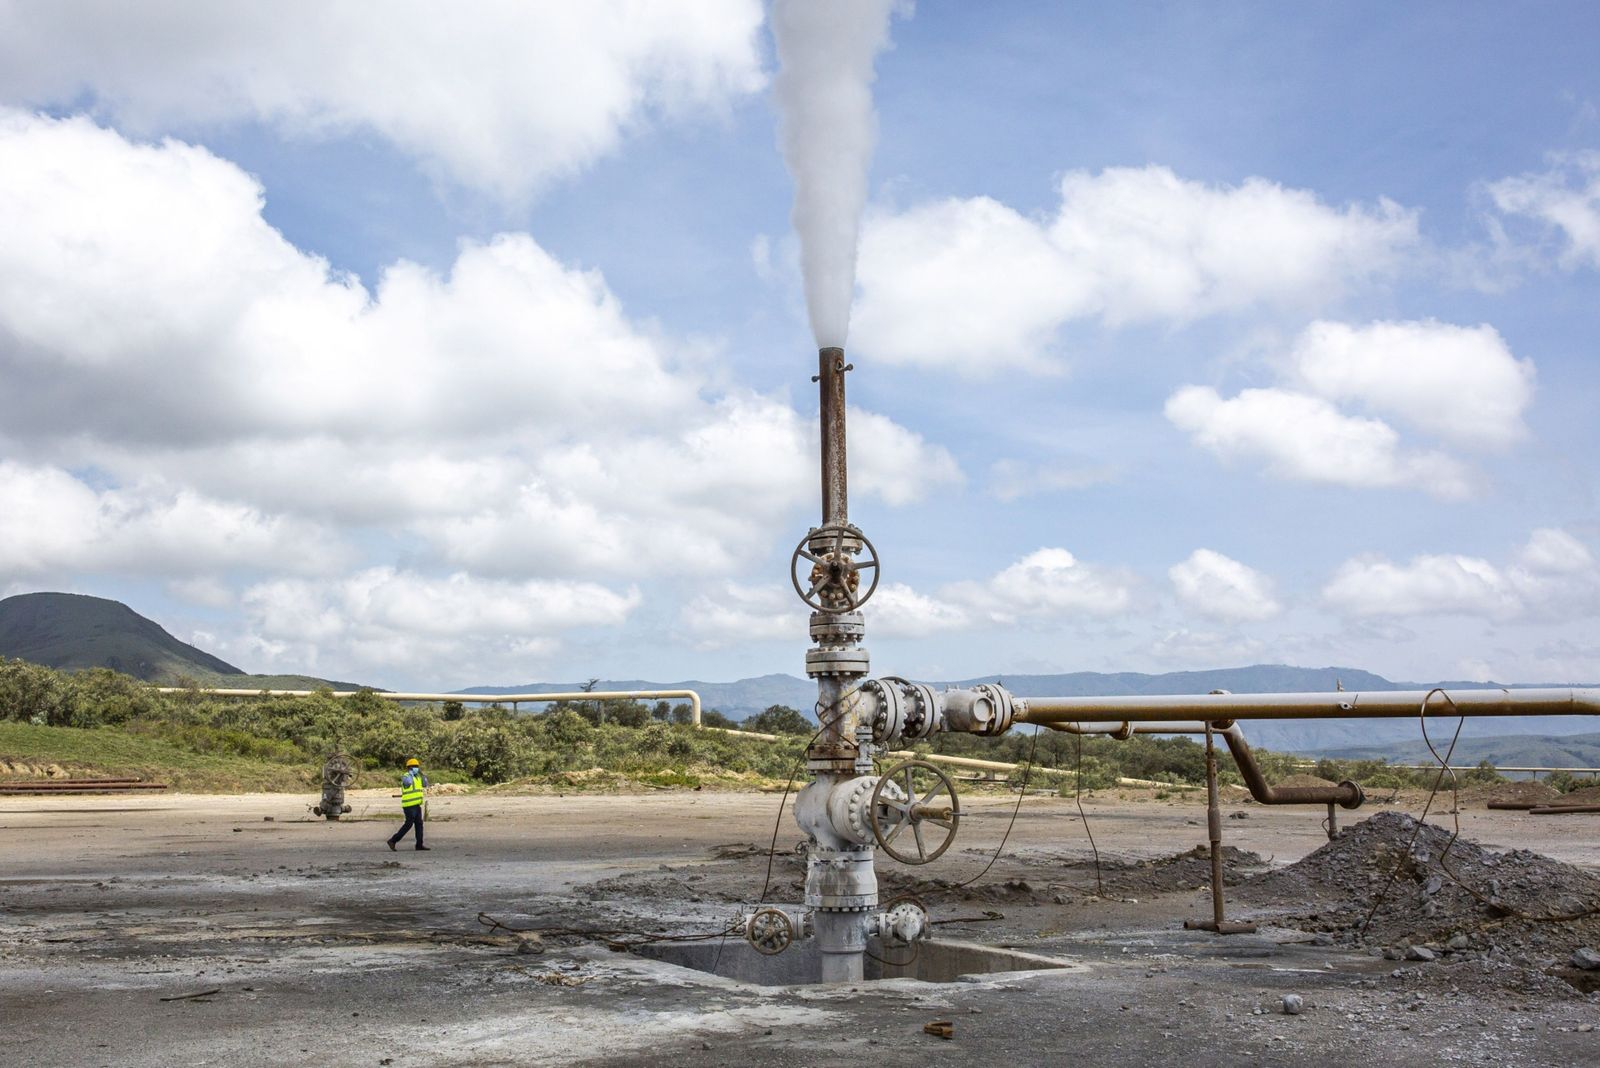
[{"x": 413, "y": 791}]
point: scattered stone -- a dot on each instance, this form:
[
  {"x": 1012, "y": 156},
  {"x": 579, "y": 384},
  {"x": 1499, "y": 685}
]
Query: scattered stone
[
  {"x": 1422, "y": 953},
  {"x": 1458, "y": 942},
  {"x": 1586, "y": 958},
  {"x": 1293, "y": 1004}
]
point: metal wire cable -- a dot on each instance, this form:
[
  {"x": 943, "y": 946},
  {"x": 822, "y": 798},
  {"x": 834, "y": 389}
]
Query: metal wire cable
[
  {"x": 1455, "y": 812},
  {"x": 1444, "y": 766},
  {"x": 777, "y": 824},
  {"x": 1021, "y": 793},
  {"x": 1077, "y": 795}
]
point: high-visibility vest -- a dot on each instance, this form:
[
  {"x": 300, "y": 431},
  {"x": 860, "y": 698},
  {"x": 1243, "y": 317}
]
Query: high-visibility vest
[{"x": 412, "y": 791}]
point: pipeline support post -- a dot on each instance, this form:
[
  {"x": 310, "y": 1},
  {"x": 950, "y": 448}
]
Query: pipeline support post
[{"x": 1219, "y": 921}]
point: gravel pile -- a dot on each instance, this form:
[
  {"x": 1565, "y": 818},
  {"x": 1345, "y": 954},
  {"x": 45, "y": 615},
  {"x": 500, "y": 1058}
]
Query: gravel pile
[
  {"x": 1475, "y": 906},
  {"x": 1189, "y": 870}
]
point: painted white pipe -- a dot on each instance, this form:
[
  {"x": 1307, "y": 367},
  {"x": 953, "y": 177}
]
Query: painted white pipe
[{"x": 465, "y": 698}]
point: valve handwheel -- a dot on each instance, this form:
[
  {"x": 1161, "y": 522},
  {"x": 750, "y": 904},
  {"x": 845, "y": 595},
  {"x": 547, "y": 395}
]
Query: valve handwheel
[
  {"x": 834, "y": 584},
  {"x": 928, "y": 799},
  {"x": 770, "y": 931}
]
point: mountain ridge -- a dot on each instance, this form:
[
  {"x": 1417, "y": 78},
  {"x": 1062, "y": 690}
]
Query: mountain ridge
[{"x": 76, "y": 632}]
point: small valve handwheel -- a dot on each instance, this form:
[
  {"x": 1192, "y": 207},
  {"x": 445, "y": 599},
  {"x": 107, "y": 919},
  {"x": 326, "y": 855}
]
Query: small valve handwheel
[
  {"x": 929, "y": 799},
  {"x": 834, "y": 581},
  {"x": 770, "y": 931}
]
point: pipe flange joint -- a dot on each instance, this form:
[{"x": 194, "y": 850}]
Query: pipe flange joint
[
  {"x": 837, "y": 628},
  {"x": 922, "y": 711},
  {"x": 1358, "y": 796},
  {"x": 1005, "y": 709},
  {"x": 889, "y": 717},
  {"x": 849, "y": 660}
]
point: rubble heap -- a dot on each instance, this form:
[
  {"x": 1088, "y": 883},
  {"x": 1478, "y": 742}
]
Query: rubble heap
[{"x": 1476, "y": 903}]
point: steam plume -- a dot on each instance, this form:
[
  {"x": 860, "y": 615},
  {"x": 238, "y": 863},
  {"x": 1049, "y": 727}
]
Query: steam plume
[{"x": 827, "y": 126}]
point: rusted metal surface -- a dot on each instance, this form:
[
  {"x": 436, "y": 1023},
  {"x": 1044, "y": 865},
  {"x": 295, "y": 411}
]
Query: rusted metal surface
[
  {"x": 1345, "y": 794},
  {"x": 1561, "y": 810},
  {"x": 1219, "y": 919},
  {"x": 831, "y": 369}
]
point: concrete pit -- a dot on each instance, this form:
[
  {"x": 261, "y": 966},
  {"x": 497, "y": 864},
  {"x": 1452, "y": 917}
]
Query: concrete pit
[{"x": 935, "y": 961}]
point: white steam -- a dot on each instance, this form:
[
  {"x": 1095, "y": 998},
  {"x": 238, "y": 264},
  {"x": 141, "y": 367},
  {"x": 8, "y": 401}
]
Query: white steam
[{"x": 827, "y": 126}]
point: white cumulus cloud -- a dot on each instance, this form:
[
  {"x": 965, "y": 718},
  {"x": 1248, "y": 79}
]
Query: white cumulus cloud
[
  {"x": 1307, "y": 438},
  {"x": 1460, "y": 384},
  {"x": 973, "y": 285},
  {"x": 1048, "y": 583},
  {"x": 501, "y": 96},
  {"x": 1553, "y": 576},
  {"x": 383, "y": 617},
  {"x": 1222, "y": 588},
  {"x": 51, "y": 521},
  {"x": 1565, "y": 200},
  {"x": 736, "y": 614},
  {"x": 506, "y": 417},
  {"x": 898, "y": 611}
]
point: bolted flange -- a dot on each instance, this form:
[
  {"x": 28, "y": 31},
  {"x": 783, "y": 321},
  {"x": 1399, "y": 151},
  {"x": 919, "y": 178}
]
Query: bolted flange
[
  {"x": 845, "y": 660},
  {"x": 889, "y": 716},
  {"x": 923, "y": 712},
  {"x": 837, "y": 628}
]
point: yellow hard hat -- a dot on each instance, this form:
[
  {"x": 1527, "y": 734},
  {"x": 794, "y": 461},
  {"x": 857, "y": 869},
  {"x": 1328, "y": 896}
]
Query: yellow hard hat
[{"x": 413, "y": 763}]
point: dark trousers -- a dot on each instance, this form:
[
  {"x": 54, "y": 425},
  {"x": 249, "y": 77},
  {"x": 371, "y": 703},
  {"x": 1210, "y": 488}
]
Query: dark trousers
[{"x": 413, "y": 819}]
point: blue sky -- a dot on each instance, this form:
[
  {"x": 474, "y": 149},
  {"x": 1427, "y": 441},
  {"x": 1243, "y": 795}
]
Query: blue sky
[{"x": 435, "y": 355}]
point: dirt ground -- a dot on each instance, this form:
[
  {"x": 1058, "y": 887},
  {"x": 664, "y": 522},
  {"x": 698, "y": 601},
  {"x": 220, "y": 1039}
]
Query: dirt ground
[{"x": 323, "y": 947}]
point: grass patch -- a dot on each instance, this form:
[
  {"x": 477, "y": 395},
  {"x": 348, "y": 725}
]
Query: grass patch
[{"x": 109, "y": 751}]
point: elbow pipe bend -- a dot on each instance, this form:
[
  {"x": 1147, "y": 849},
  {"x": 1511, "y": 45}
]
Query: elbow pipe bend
[{"x": 1346, "y": 794}]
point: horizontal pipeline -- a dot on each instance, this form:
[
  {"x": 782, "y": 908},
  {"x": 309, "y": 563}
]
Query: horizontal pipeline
[
  {"x": 512, "y": 699},
  {"x": 1390, "y": 704}
]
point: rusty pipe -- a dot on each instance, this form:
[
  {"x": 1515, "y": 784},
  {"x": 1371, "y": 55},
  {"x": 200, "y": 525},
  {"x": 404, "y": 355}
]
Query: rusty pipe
[
  {"x": 830, "y": 385},
  {"x": 1214, "y": 831},
  {"x": 1346, "y": 794},
  {"x": 1381, "y": 704}
]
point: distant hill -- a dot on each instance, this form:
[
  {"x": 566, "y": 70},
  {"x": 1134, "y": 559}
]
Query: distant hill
[
  {"x": 1313, "y": 737},
  {"x": 73, "y": 632},
  {"x": 70, "y": 632},
  {"x": 1526, "y": 751}
]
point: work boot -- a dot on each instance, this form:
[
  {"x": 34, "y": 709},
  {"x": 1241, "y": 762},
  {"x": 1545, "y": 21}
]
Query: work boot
[
  {"x": 424, "y": 847},
  {"x": 391, "y": 847}
]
